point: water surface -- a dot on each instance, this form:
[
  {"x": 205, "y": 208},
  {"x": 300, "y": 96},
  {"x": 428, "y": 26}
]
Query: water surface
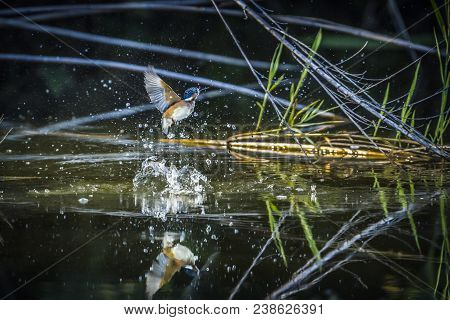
[{"x": 83, "y": 215}]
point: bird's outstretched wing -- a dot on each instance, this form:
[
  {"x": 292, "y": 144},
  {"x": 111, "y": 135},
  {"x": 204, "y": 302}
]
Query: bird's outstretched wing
[{"x": 160, "y": 93}]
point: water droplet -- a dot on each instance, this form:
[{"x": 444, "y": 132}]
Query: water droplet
[{"x": 83, "y": 200}]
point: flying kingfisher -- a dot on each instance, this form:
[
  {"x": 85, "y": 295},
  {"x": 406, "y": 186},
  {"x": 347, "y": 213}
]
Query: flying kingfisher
[{"x": 172, "y": 107}]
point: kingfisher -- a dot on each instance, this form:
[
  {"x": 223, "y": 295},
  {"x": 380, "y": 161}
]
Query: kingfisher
[{"x": 172, "y": 107}]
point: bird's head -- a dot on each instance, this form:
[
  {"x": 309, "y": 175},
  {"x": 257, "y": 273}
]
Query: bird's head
[{"x": 191, "y": 94}]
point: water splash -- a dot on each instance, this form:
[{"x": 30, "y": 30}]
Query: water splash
[{"x": 162, "y": 188}]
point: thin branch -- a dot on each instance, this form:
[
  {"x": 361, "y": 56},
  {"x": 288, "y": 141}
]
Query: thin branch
[
  {"x": 257, "y": 258},
  {"x": 62, "y": 11},
  {"x": 70, "y": 124},
  {"x": 143, "y": 5},
  {"x": 268, "y": 95},
  {"x": 368, "y": 233},
  {"x": 192, "y": 54},
  {"x": 358, "y": 32},
  {"x": 319, "y": 69},
  {"x": 128, "y": 111},
  {"x": 138, "y": 68},
  {"x": 399, "y": 24},
  {"x": 5, "y": 135}
]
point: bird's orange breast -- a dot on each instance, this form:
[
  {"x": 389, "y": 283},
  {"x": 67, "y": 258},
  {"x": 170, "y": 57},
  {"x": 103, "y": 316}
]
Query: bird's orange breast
[{"x": 169, "y": 112}]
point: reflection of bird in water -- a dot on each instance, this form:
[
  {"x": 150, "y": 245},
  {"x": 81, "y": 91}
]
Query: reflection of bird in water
[
  {"x": 174, "y": 108},
  {"x": 189, "y": 290},
  {"x": 172, "y": 258}
]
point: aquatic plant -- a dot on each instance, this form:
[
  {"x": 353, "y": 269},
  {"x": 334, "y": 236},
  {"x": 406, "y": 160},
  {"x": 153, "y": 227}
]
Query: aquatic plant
[
  {"x": 294, "y": 140},
  {"x": 257, "y": 258},
  {"x": 443, "y": 55},
  {"x": 290, "y": 116},
  {"x": 337, "y": 252},
  {"x": 274, "y": 228},
  {"x": 376, "y": 125},
  {"x": 293, "y": 116},
  {"x": 340, "y": 86},
  {"x": 443, "y": 272},
  {"x": 271, "y": 84},
  {"x": 405, "y": 205},
  {"x": 381, "y": 193},
  {"x": 407, "y": 113},
  {"x": 307, "y": 231}
]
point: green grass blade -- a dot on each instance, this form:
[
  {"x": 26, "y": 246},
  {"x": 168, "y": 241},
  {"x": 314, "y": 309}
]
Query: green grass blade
[
  {"x": 406, "y": 109},
  {"x": 308, "y": 233},
  {"x": 381, "y": 193},
  {"x": 383, "y": 107},
  {"x": 274, "y": 229},
  {"x": 439, "y": 17},
  {"x": 404, "y": 203},
  {"x": 293, "y": 96}
]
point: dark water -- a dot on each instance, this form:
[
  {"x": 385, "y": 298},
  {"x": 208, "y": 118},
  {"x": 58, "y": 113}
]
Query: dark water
[
  {"x": 85, "y": 209},
  {"x": 82, "y": 218}
]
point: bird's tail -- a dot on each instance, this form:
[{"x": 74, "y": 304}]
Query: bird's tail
[{"x": 166, "y": 123}]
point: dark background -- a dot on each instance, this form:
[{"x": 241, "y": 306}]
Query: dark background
[{"x": 35, "y": 94}]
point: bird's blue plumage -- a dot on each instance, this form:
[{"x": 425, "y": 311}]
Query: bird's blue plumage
[{"x": 190, "y": 92}]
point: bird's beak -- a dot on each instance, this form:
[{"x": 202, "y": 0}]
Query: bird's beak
[
  {"x": 203, "y": 89},
  {"x": 196, "y": 269}
]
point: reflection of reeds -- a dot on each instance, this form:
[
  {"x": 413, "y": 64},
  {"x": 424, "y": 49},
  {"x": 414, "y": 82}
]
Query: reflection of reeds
[
  {"x": 404, "y": 202},
  {"x": 307, "y": 231},
  {"x": 442, "y": 277},
  {"x": 336, "y": 253},
  {"x": 2, "y": 216},
  {"x": 258, "y": 257},
  {"x": 274, "y": 228},
  {"x": 444, "y": 256},
  {"x": 381, "y": 193}
]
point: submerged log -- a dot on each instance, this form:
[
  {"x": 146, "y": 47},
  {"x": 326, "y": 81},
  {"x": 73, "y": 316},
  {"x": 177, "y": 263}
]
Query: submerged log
[{"x": 270, "y": 146}]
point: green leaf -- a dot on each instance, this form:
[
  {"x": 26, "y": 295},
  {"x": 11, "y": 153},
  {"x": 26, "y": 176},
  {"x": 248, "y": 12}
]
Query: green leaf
[
  {"x": 383, "y": 107},
  {"x": 439, "y": 17},
  {"x": 308, "y": 233},
  {"x": 274, "y": 229},
  {"x": 406, "y": 108},
  {"x": 277, "y": 83}
]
